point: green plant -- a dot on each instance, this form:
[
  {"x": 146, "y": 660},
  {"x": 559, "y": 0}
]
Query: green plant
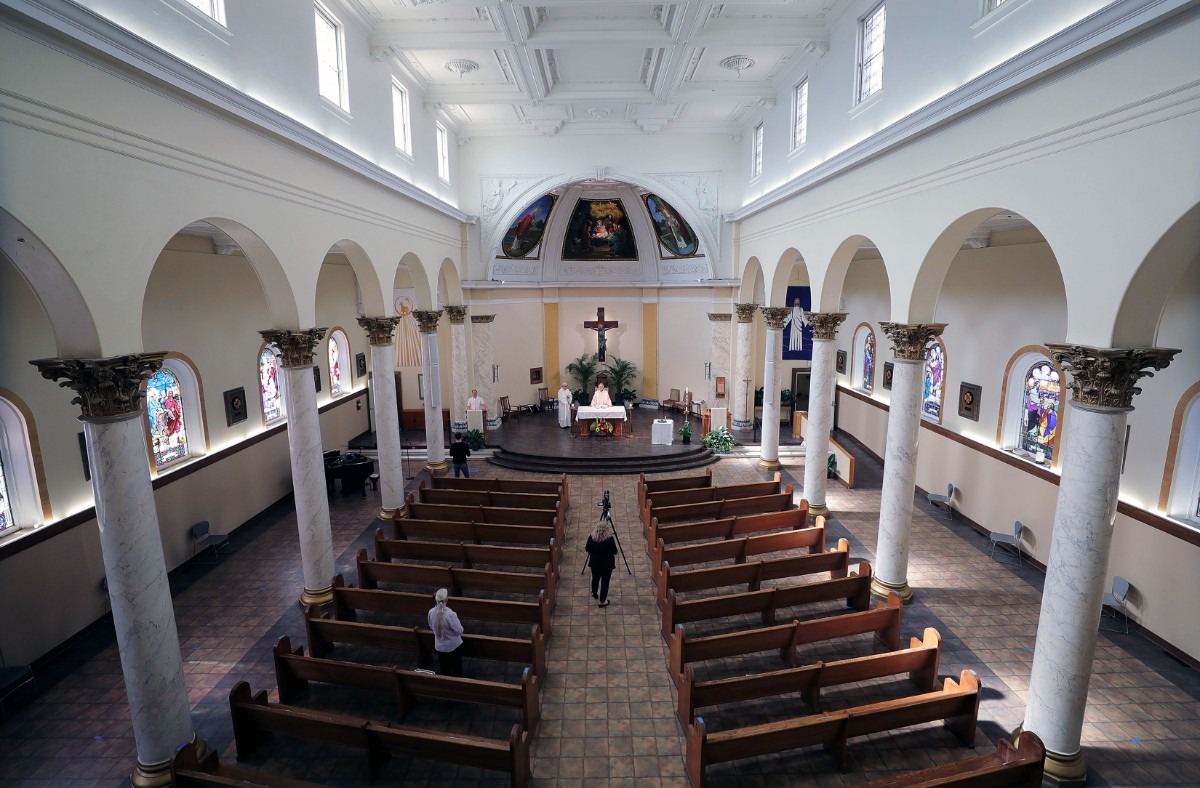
[
  {"x": 719, "y": 441},
  {"x": 583, "y": 369},
  {"x": 686, "y": 429},
  {"x": 621, "y": 374},
  {"x": 758, "y": 397},
  {"x": 785, "y": 397},
  {"x": 831, "y": 469},
  {"x": 474, "y": 439}
]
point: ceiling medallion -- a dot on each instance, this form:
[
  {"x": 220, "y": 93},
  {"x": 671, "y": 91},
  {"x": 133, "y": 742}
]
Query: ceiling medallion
[
  {"x": 461, "y": 67},
  {"x": 599, "y": 113},
  {"x": 738, "y": 63}
]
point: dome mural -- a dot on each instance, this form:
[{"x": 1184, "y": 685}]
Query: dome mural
[
  {"x": 673, "y": 232},
  {"x": 599, "y": 230},
  {"x": 526, "y": 232}
]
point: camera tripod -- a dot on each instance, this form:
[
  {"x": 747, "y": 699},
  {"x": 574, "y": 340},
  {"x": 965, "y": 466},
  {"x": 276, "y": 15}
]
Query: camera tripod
[{"x": 606, "y": 517}]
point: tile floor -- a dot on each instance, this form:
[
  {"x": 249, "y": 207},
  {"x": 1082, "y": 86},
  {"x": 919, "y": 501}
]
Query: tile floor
[{"x": 608, "y": 705}]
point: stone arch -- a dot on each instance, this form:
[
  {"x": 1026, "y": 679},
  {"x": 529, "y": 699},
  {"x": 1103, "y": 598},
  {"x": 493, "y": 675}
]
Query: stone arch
[
  {"x": 75, "y": 333},
  {"x": 1012, "y": 388},
  {"x": 833, "y": 281},
  {"x": 752, "y": 289},
  {"x": 791, "y": 257},
  {"x": 370, "y": 291},
  {"x": 1142, "y": 306},
  {"x": 276, "y": 287},
  {"x": 449, "y": 287},
  {"x": 420, "y": 278}
]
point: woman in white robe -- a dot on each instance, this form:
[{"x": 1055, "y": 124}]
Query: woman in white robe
[{"x": 565, "y": 398}]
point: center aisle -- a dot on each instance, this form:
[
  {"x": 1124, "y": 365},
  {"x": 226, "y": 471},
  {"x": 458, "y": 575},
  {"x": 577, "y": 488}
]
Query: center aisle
[{"x": 607, "y": 707}]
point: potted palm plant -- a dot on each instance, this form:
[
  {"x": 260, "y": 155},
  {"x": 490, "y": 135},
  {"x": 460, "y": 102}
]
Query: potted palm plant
[
  {"x": 583, "y": 369},
  {"x": 621, "y": 373}
]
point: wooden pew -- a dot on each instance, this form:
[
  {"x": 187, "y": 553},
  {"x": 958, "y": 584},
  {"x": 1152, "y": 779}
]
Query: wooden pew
[
  {"x": 920, "y": 661},
  {"x": 347, "y": 600},
  {"x": 883, "y": 621},
  {"x": 705, "y": 494},
  {"x": 855, "y": 588},
  {"x": 1018, "y": 766},
  {"x": 477, "y": 533},
  {"x": 957, "y": 704},
  {"x": 647, "y": 487},
  {"x": 728, "y": 527},
  {"x": 467, "y": 555},
  {"x": 372, "y": 573},
  {"x": 712, "y": 510},
  {"x": 497, "y": 515},
  {"x": 553, "y": 487},
  {"x": 512, "y": 500},
  {"x": 324, "y": 631},
  {"x": 254, "y": 719},
  {"x": 737, "y": 549},
  {"x": 293, "y": 672},
  {"x": 836, "y": 562},
  {"x": 189, "y": 769}
]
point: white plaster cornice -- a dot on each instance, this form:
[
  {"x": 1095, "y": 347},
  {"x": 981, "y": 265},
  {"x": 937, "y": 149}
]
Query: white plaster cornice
[
  {"x": 100, "y": 42},
  {"x": 1112, "y": 25}
]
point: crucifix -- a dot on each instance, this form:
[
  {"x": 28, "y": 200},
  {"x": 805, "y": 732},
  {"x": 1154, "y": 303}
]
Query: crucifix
[{"x": 600, "y": 325}]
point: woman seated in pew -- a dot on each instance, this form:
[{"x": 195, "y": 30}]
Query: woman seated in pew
[{"x": 447, "y": 635}]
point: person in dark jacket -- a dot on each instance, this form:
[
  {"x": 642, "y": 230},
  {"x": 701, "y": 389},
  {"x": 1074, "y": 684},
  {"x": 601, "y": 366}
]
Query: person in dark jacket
[
  {"x": 602, "y": 557},
  {"x": 459, "y": 452}
]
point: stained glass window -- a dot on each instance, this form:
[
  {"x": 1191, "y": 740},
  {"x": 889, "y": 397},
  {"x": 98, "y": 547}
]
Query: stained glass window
[
  {"x": 6, "y": 513},
  {"x": 164, "y": 409},
  {"x": 268, "y": 386},
  {"x": 336, "y": 386},
  {"x": 935, "y": 374},
  {"x": 868, "y": 368},
  {"x": 1040, "y": 404}
]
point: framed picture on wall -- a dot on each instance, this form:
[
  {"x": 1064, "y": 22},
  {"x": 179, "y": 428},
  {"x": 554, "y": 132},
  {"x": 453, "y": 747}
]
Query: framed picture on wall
[
  {"x": 360, "y": 365},
  {"x": 235, "y": 406},
  {"x": 535, "y": 376},
  {"x": 888, "y": 370},
  {"x": 841, "y": 362},
  {"x": 719, "y": 388},
  {"x": 968, "y": 401}
]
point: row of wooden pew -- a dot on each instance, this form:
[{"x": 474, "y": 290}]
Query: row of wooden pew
[
  {"x": 457, "y": 528},
  {"x": 742, "y": 546}
]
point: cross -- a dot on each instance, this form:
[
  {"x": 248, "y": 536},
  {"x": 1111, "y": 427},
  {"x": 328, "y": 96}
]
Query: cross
[{"x": 600, "y": 325}]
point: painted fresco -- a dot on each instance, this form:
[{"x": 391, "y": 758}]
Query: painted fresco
[
  {"x": 599, "y": 230},
  {"x": 525, "y": 234},
  {"x": 673, "y": 232}
]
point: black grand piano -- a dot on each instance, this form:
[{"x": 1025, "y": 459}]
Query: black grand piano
[{"x": 351, "y": 468}]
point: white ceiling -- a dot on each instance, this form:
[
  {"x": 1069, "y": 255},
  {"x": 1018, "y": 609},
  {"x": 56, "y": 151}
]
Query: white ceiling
[{"x": 606, "y": 66}]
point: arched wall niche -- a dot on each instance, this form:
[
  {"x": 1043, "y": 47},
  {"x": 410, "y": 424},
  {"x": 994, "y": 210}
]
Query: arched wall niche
[
  {"x": 371, "y": 299},
  {"x": 784, "y": 275},
  {"x": 418, "y": 279},
  {"x": 752, "y": 289},
  {"x": 833, "y": 283},
  {"x": 449, "y": 289},
  {"x": 1142, "y": 307},
  {"x": 1012, "y": 392},
  {"x": 700, "y": 209}
]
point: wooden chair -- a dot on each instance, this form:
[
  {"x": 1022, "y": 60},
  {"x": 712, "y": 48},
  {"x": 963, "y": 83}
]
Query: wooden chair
[
  {"x": 506, "y": 410},
  {"x": 543, "y": 403},
  {"x": 672, "y": 402}
]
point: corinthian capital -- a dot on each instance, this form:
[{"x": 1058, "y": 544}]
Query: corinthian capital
[
  {"x": 720, "y": 317},
  {"x": 776, "y": 316},
  {"x": 457, "y": 314},
  {"x": 745, "y": 312},
  {"x": 107, "y": 388},
  {"x": 427, "y": 319},
  {"x": 380, "y": 330},
  {"x": 825, "y": 324},
  {"x": 1106, "y": 378},
  {"x": 482, "y": 318},
  {"x": 909, "y": 339},
  {"x": 296, "y": 348}
]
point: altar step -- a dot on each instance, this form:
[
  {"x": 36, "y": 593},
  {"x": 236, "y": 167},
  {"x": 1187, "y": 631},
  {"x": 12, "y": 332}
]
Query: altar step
[{"x": 679, "y": 461}]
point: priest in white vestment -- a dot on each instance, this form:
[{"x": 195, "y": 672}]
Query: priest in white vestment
[
  {"x": 600, "y": 399},
  {"x": 565, "y": 398},
  {"x": 475, "y": 402}
]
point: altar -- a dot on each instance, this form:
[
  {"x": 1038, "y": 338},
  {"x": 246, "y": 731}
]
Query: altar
[{"x": 586, "y": 414}]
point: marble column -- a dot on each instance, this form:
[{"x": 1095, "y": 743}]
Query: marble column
[
  {"x": 775, "y": 316},
  {"x": 1102, "y": 390},
  {"x": 485, "y": 358},
  {"x": 110, "y": 398},
  {"x": 820, "y": 408},
  {"x": 900, "y": 457},
  {"x": 719, "y": 326},
  {"x": 296, "y": 349},
  {"x": 380, "y": 334},
  {"x": 431, "y": 370},
  {"x": 460, "y": 386},
  {"x": 743, "y": 384}
]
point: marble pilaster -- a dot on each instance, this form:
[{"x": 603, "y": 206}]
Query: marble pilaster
[
  {"x": 431, "y": 371},
  {"x": 743, "y": 384},
  {"x": 719, "y": 327},
  {"x": 380, "y": 334},
  {"x": 1102, "y": 391},
  {"x": 900, "y": 457},
  {"x": 460, "y": 385},
  {"x": 769, "y": 448},
  {"x": 308, "y": 467},
  {"x": 131, "y": 545},
  {"x": 485, "y": 357},
  {"x": 820, "y": 408}
]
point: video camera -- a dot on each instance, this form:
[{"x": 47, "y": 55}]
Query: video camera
[{"x": 605, "y": 503}]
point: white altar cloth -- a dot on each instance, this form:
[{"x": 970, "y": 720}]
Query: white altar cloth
[
  {"x": 662, "y": 432},
  {"x": 615, "y": 413}
]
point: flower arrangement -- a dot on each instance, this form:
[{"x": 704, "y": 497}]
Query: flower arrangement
[
  {"x": 719, "y": 441},
  {"x": 602, "y": 427}
]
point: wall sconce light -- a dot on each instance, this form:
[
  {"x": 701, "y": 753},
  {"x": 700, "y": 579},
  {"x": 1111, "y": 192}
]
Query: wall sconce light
[
  {"x": 495, "y": 373},
  {"x": 708, "y": 370}
]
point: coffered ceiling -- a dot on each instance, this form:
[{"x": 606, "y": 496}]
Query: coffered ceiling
[{"x": 613, "y": 66}]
